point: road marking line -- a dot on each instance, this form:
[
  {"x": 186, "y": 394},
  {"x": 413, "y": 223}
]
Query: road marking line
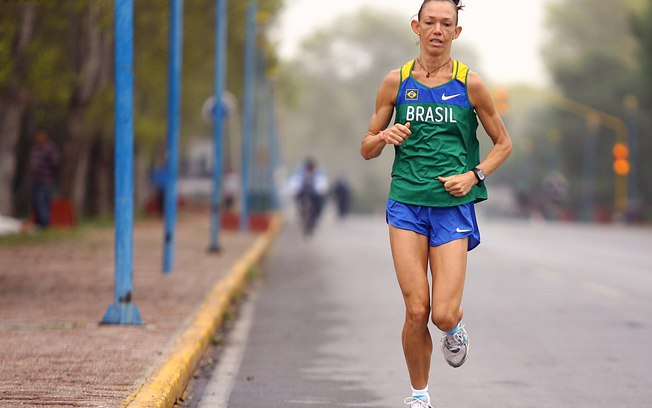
[
  {"x": 309, "y": 402},
  {"x": 218, "y": 390},
  {"x": 325, "y": 401}
]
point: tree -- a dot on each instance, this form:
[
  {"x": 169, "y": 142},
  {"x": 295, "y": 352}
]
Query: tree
[
  {"x": 87, "y": 54},
  {"x": 17, "y": 22},
  {"x": 641, "y": 18},
  {"x": 592, "y": 56},
  {"x": 61, "y": 72},
  {"x": 57, "y": 73},
  {"x": 590, "y": 41}
]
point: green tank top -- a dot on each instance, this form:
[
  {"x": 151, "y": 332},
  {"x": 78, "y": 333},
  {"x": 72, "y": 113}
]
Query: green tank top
[{"x": 443, "y": 141}]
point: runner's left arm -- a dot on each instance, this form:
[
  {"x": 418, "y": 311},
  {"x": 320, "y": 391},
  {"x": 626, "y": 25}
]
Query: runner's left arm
[{"x": 460, "y": 185}]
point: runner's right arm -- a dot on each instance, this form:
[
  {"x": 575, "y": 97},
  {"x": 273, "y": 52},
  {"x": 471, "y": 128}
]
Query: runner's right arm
[{"x": 378, "y": 135}]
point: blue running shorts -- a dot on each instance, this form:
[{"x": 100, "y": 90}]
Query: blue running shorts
[{"x": 440, "y": 224}]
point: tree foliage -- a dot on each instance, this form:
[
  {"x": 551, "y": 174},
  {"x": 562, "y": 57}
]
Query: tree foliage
[
  {"x": 19, "y": 22},
  {"x": 69, "y": 94},
  {"x": 589, "y": 42},
  {"x": 641, "y": 18},
  {"x": 593, "y": 58}
]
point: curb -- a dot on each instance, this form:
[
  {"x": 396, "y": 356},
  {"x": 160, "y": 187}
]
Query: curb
[{"x": 169, "y": 382}]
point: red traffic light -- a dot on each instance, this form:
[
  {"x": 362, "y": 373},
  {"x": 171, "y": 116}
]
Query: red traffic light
[{"x": 620, "y": 151}]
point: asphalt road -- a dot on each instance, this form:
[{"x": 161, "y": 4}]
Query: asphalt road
[{"x": 558, "y": 316}]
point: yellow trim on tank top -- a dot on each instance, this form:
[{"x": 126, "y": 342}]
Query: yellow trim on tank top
[
  {"x": 462, "y": 72},
  {"x": 406, "y": 70}
]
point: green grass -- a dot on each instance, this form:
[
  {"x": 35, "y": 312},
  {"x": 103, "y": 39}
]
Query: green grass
[
  {"x": 253, "y": 272},
  {"x": 56, "y": 234},
  {"x": 39, "y": 237},
  {"x": 59, "y": 234}
]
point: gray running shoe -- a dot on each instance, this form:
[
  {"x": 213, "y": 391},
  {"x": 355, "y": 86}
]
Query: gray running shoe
[
  {"x": 416, "y": 403},
  {"x": 455, "y": 347}
]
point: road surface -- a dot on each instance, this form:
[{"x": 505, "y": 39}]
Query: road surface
[{"x": 558, "y": 315}]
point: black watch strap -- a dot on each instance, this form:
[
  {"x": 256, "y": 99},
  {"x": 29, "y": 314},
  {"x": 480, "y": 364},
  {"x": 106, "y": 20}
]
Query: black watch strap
[{"x": 479, "y": 174}]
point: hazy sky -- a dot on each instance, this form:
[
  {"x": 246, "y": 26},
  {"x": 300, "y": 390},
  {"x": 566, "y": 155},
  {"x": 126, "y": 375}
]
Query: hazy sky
[{"x": 507, "y": 34}]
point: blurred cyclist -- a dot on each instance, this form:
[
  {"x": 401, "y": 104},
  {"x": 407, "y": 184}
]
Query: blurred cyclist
[{"x": 309, "y": 186}]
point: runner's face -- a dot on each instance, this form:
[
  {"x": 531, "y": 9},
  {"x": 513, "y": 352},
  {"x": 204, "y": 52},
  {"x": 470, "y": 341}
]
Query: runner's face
[{"x": 438, "y": 25}]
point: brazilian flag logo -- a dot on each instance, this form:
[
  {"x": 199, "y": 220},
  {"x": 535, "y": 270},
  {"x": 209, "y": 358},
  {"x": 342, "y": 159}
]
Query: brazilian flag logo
[{"x": 411, "y": 94}]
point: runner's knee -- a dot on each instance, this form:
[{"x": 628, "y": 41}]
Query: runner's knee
[
  {"x": 417, "y": 315},
  {"x": 445, "y": 320}
]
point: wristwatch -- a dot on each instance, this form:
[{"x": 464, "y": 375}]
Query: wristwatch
[{"x": 479, "y": 174}]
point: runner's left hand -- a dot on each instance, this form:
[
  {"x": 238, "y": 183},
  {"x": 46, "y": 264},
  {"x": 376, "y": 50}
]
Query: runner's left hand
[{"x": 459, "y": 185}]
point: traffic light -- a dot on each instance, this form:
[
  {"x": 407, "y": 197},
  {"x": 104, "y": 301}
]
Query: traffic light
[
  {"x": 621, "y": 163},
  {"x": 501, "y": 100}
]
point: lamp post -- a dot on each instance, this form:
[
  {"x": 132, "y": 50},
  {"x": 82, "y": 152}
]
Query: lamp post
[
  {"x": 218, "y": 120},
  {"x": 174, "y": 115},
  {"x": 248, "y": 111},
  {"x": 123, "y": 310}
]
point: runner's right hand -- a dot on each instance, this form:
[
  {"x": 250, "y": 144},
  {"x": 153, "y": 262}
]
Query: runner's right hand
[{"x": 396, "y": 134}]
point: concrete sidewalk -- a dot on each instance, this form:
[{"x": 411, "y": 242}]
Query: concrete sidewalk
[{"x": 54, "y": 352}]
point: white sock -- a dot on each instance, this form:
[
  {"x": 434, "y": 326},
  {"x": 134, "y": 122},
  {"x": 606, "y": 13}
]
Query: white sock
[{"x": 421, "y": 394}]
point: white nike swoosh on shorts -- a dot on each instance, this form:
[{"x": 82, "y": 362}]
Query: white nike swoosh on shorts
[{"x": 461, "y": 230}]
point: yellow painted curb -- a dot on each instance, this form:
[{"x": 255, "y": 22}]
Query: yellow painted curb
[{"x": 166, "y": 385}]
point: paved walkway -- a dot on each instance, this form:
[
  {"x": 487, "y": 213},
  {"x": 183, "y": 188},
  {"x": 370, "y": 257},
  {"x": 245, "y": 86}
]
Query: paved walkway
[{"x": 53, "y": 352}]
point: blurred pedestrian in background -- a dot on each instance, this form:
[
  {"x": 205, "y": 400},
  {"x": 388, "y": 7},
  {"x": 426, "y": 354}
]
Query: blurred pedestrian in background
[
  {"x": 230, "y": 189},
  {"x": 158, "y": 181},
  {"x": 309, "y": 187},
  {"x": 554, "y": 196},
  {"x": 43, "y": 168},
  {"x": 342, "y": 195},
  {"x": 437, "y": 177}
]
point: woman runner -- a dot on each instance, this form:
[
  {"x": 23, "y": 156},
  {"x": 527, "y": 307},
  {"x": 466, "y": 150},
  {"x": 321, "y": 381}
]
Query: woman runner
[{"x": 437, "y": 177}]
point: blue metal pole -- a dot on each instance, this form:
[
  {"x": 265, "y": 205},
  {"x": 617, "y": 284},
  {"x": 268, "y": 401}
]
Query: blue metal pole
[
  {"x": 260, "y": 180},
  {"x": 248, "y": 111},
  {"x": 218, "y": 120},
  {"x": 274, "y": 147},
  {"x": 268, "y": 131},
  {"x": 123, "y": 311},
  {"x": 174, "y": 108}
]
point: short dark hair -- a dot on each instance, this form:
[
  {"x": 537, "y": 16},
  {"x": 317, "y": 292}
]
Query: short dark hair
[
  {"x": 458, "y": 5},
  {"x": 310, "y": 164}
]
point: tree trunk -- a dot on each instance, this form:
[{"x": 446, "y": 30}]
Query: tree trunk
[
  {"x": 101, "y": 177},
  {"x": 76, "y": 152},
  {"x": 87, "y": 42},
  {"x": 100, "y": 180},
  {"x": 141, "y": 179},
  {"x": 12, "y": 108},
  {"x": 104, "y": 177}
]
